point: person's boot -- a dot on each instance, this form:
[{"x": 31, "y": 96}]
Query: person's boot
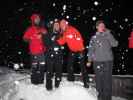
[
  {"x": 34, "y": 75},
  {"x": 41, "y": 74},
  {"x": 100, "y": 97},
  {"x": 86, "y": 81},
  {"x": 49, "y": 86},
  {"x": 57, "y": 84},
  {"x": 86, "y": 85},
  {"x": 71, "y": 78}
]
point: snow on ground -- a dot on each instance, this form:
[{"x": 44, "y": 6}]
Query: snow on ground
[
  {"x": 10, "y": 89},
  {"x": 67, "y": 91}
]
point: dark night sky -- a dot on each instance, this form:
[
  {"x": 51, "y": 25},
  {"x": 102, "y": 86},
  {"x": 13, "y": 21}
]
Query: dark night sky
[{"x": 82, "y": 13}]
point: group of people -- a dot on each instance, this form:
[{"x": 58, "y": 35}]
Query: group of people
[{"x": 47, "y": 55}]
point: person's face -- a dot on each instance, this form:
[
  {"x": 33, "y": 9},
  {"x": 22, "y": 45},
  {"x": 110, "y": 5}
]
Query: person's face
[
  {"x": 63, "y": 25},
  {"x": 56, "y": 26},
  {"x": 37, "y": 21},
  {"x": 101, "y": 27}
]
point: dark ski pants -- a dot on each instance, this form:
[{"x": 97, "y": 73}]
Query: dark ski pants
[
  {"x": 54, "y": 63},
  {"x": 37, "y": 69},
  {"x": 103, "y": 71},
  {"x": 70, "y": 70}
]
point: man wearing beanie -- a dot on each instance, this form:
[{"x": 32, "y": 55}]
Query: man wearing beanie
[{"x": 33, "y": 36}]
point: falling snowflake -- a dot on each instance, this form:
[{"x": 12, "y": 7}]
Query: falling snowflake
[
  {"x": 55, "y": 19},
  {"x": 123, "y": 65},
  {"x": 51, "y": 22},
  {"x": 115, "y": 21},
  {"x": 119, "y": 34},
  {"x": 43, "y": 63},
  {"x": 126, "y": 19},
  {"x": 56, "y": 52},
  {"x": 94, "y": 18},
  {"x": 107, "y": 10},
  {"x": 64, "y": 7},
  {"x": 87, "y": 47},
  {"x": 54, "y": 4},
  {"x": 98, "y": 67},
  {"x": 56, "y": 49},
  {"x": 121, "y": 27},
  {"x": 122, "y": 57},
  {"x": 21, "y": 64},
  {"x": 62, "y": 14},
  {"x": 16, "y": 66},
  {"x": 67, "y": 17},
  {"x": 75, "y": 18},
  {"x": 20, "y": 9},
  {"x": 118, "y": 70},
  {"x": 52, "y": 55},
  {"x": 62, "y": 47},
  {"x": 90, "y": 79},
  {"x": 84, "y": 11},
  {"x": 19, "y": 52},
  {"x": 96, "y": 3},
  {"x": 126, "y": 50}
]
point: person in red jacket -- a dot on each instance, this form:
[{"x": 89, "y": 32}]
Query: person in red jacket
[
  {"x": 33, "y": 35},
  {"x": 131, "y": 40},
  {"x": 73, "y": 39}
]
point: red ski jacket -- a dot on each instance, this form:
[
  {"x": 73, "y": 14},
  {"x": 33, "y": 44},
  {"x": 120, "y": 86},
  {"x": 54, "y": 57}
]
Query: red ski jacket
[
  {"x": 36, "y": 45},
  {"x": 131, "y": 41},
  {"x": 73, "y": 39}
]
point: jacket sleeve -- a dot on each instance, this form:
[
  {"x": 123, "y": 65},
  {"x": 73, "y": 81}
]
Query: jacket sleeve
[
  {"x": 62, "y": 40},
  {"x": 27, "y": 35},
  {"x": 78, "y": 35},
  {"x": 91, "y": 49},
  {"x": 43, "y": 31},
  {"x": 130, "y": 39},
  {"x": 47, "y": 40},
  {"x": 131, "y": 34},
  {"x": 112, "y": 40}
]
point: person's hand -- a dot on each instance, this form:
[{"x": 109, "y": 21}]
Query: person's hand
[
  {"x": 88, "y": 64},
  {"x": 39, "y": 36},
  {"x": 44, "y": 31}
]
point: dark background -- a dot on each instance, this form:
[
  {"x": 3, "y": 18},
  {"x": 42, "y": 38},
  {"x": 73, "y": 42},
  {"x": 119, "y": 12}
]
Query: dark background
[{"x": 14, "y": 19}]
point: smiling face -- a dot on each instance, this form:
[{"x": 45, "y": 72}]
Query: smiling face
[
  {"x": 37, "y": 20},
  {"x": 63, "y": 25},
  {"x": 56, "y": 27},
  {"x": 101, "y": 27}
]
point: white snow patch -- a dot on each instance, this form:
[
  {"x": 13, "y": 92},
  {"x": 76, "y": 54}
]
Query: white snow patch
[{"x": 66, "y": 91}]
